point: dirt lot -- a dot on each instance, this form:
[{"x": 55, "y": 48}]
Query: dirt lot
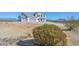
[
  {"x": 12, "y": 31},
  {"x": 72, "y": 36}
]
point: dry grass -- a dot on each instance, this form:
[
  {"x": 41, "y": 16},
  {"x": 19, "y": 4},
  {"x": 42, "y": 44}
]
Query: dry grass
[
  {"x": 10, "y": 32},
  {"x": 17, "y": 30},
  {"x": 14, "y": 30}
]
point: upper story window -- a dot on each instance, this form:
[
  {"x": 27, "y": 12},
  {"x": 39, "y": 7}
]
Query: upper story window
[{"x": 38, "y": 15}]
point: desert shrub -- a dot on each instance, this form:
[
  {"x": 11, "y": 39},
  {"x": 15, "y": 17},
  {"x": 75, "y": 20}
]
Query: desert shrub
[
  {"x": 49, "y": 35},
  {"x": 71, "y": 23}
]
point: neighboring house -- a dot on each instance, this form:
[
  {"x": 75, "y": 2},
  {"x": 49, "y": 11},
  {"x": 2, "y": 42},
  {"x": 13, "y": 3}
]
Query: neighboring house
[{"x": 37, "y": 17}]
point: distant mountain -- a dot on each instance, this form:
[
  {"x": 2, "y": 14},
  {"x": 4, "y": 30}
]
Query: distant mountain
[{"x": 61, "y": 19}]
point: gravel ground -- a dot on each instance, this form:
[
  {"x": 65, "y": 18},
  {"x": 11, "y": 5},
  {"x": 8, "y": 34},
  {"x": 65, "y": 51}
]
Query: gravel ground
[
  {"x": 16, "y": 34},
  {"x": 13, "y": 32},
  {"x": 73, "y": 38}
]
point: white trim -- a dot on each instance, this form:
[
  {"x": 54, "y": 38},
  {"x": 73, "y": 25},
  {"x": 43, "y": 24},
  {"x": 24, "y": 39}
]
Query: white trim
[{"x": 28, "y": 20}]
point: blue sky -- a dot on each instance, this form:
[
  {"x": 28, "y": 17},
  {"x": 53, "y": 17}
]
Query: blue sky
[{"x": 50, "y": 15}]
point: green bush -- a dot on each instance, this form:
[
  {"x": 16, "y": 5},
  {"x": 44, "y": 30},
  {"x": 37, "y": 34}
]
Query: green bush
[{"x": 49, "y": 35}]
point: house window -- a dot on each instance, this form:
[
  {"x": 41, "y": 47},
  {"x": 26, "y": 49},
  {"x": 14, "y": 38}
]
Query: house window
[
  {"x": 38, "y": 15},
  {"x": 41, "y": 15},
  {"x": 40, "y": 20}
]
